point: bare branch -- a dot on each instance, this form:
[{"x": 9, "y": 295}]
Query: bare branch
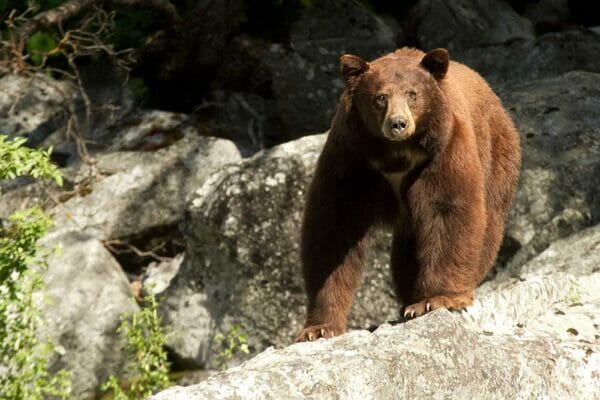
[
  {"x": 58, "y": 15},
  {"x": 129, "y": 248},
  {"x": 54, "y": 16}
]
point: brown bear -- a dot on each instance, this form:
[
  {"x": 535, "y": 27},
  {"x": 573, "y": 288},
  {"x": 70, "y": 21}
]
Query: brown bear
[{"x": 422, "y": 145}]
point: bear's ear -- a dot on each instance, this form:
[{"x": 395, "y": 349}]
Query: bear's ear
[
  {"x": 436, "y": 62},
  {"x": 352, "y": 66}
]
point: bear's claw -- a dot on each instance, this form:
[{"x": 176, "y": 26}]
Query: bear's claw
[
  {"x": 452, "y": 302},
  {"x": 315, "y": 332}
]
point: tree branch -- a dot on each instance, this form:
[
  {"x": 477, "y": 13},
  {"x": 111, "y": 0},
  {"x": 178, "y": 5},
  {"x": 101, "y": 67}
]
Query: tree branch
[
  {"x": 53, "y": 17},
  {"x": 56, "y": 16}
]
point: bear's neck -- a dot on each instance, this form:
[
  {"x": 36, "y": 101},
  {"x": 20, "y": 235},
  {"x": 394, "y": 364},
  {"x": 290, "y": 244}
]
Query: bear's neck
[{"x": 383, "y": 155}]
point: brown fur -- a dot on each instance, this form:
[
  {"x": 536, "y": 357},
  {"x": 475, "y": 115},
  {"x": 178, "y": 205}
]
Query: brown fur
[{"x": 444, "y": 185}]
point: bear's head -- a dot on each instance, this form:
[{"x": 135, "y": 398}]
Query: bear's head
[{"x": 398, "y": 95}]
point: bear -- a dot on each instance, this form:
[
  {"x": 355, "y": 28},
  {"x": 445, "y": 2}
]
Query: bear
[{"x": 420, "y": 145}]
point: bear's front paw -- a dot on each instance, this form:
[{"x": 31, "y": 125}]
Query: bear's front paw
[
  {"x": 451, "y": 302},
  {"x": 314, "y": 332}
]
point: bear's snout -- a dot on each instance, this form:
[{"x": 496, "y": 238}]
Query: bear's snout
[{"x": 398, "y": 125}]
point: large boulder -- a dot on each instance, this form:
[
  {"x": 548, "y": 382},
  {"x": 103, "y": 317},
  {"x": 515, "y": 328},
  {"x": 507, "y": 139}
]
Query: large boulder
[
  {"x": 87, "y": 292},
  {"x": 461, "y": 24},
  {"x": 526, "y": 339},
  {"x": 242, "y": 261},
  {"x": 550, "y": 55},
  {"x": 34, "y": 106},
  {"x": 549, "y": 15},
  {"x": 141, "y": 191},
  {"x": 270, "y": 93},
  {"x": 559, "y": 188}
]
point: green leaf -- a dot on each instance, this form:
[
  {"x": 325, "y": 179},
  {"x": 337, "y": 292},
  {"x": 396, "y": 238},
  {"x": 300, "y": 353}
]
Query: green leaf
[{"x": 39, "y": 44}]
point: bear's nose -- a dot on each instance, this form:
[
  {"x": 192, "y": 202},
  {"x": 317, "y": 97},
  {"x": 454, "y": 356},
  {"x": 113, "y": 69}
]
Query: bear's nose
[{"x": 399, "y": 123}]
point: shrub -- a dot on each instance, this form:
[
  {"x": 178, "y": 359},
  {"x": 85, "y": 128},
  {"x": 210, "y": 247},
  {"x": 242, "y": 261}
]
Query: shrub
[
  {"x": 235, "y": 342},
  {"x": 24, "y": 354},
  {"x": 144, "y": 346}
]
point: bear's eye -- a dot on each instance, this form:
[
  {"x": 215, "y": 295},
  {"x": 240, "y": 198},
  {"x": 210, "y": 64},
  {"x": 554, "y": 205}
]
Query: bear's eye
[
  {"x": 381, "y": 100},
  {"x": 412, "y": 95}
]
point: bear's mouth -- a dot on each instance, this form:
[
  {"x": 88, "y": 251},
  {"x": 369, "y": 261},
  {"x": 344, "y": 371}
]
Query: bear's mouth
[{"x": 398, "y": 135}]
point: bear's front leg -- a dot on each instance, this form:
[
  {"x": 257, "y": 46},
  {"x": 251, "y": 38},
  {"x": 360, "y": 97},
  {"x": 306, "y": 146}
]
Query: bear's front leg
[
  {"x": 338, "y": 216},
  {"x": 449, "y": 217},
  {"x": 332, "y": 257}
]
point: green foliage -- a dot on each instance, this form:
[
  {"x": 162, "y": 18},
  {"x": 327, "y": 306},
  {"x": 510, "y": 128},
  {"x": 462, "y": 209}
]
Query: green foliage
[
  {"x": 234, "y": 343},
  {"x": 23, "y": 354},
  {"x": 17, "y": 160},
  {"x": 39, "y": 44},
  {"x": 144, "y": 346}
]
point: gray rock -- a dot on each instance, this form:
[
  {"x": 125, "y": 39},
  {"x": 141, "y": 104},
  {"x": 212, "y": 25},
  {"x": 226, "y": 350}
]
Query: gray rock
[
  {"x": 549, "y": 15},
  {"x": 247, "y": 119},
  {"x": 16, "y": 196},
  {"x": 559, "y": 188},
  {"x": 269, "y": 93},
  {"x": 148, "y": 130},
  {"x": 550, "y": 55},
  {"x": 242, "y": 263},
  {"x": 306, "y": 82},
  {"x": 87, "y": 293},
  {"x": 521, "y": 339},
  {"x": 142, "y": 191},
  {"x": 34, "y": 106},
  {"x": 463, "y": 24},
  {"x": 158, "y": 275}
]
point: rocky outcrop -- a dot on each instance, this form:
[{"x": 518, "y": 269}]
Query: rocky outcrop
[
  {"x": 464, "y": 24},
  {"x": 242, "y": 265},
  {"x": 294, "y": 84},
  {"x": 34, "y": 106},
  {"x": 559, "y": 189},
  {"x": 142, "y": 191},
  {"x": 550, "y": 55},
  {"x": 533, "y": 331},
  {"x": 521, "y": 339},
  {"x": 87, "y": 292},
  {"x": 145, "y": 166}
]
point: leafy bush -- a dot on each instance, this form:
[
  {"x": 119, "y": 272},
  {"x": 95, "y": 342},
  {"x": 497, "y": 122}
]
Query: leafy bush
[
  {"x": 234, "y": 343},
  {"x": 144, "y": 346},
  {"x": 17, "y": 160},
  {"x": 23, "y": 354}
]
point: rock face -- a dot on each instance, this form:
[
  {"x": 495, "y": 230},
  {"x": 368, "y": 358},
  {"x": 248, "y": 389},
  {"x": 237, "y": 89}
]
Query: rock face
[
  {"x": 463, "y": 24},
  {"x": 87, "y": 292},
  {"x": 147, "y": 168},
  {"x": 521, "y": 339},
  {"x": 142, "y": 191},
  {"x": 559, "y": 189},
  {"x": 242, "y": 258},
  {"x": 298, "y": 81},
  {"x": 548, "y": 56},
  {"x": 33, "y": 106}
]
